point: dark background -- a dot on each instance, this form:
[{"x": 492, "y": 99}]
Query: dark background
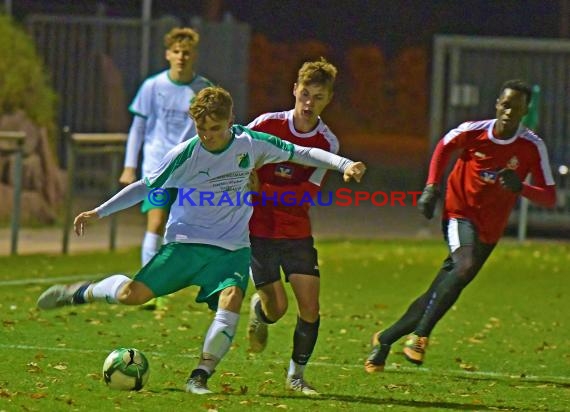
[{"x": 390, "y": 24}]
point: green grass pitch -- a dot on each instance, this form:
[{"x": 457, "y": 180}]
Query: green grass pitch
[{"x": 503, "y": 346}]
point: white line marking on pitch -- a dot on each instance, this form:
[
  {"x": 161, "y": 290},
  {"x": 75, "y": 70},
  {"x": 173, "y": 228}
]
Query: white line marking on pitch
[
  {"x": 65, "y": 279},
  {"x": 529, "y": 378}
]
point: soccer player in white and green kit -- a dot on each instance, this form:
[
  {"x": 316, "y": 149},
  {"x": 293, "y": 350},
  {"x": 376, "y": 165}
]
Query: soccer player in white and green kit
[
  {"x": 207, "y": 231},
  {"x": 160, "y": 122}
]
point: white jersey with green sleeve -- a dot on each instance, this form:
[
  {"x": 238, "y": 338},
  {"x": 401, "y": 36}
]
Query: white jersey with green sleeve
[
  {"x": 163, "y": 103},
  {"x": 210, "y": 207}
]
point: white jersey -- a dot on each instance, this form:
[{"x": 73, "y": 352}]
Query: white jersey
[
  {"x": 164, "y": 104},
  {"x": 211, "y": 207}
]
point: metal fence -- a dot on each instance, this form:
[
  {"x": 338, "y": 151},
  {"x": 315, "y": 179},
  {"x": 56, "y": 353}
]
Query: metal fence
[
  {"x": 467, "y": 72},
  {"x": 95, "y": 69}
]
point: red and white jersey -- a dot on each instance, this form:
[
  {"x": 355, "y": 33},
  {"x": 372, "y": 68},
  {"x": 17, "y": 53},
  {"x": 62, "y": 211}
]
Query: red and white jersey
[
  {"x": 272, "y": 219},
  {"x": 473, "y": 190}
]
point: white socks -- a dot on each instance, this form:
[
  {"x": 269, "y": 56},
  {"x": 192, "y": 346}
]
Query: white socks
[
  {"x": 218, "y": 339},
  {"x": 295, "y": 370},
  {"x": 106, "y": 289},
  {"x": 150, "y": 245}
]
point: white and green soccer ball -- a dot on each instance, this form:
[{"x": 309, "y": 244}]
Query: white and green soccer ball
[{"x": 126, "y": 369}]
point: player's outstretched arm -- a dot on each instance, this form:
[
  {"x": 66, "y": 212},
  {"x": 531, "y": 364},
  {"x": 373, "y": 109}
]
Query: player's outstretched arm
[
  {"x": 127, "y": 197},
  {"x": 81, "y": 219},
  {"x": 312, "y": 156},
  {"x": 354, "y": 171}
]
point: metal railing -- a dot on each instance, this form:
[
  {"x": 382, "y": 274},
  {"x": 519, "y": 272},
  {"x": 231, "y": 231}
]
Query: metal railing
[
  {"x": 13, "y": 143},
  {"x": 112, "y": 144}
]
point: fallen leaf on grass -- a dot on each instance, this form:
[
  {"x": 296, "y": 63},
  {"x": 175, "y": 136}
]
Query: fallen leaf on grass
[
  {"x": 468, "y": 367},
  {"x": 380, "y": 306},
  {"x": 93, "y": 321},
  {"x": 5, "y": 393},
  {"x": 33, "y": 367},
  {"x": 38, "y": 395},
  {"x": 60, "y": 367},
  {"x": 544, "y": 346},
  {"x": 266, "y": 383}
]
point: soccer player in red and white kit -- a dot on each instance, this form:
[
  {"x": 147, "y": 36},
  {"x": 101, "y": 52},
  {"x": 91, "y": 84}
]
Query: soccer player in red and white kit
[
  {"x": 495, "y": 157},
  {"x": 280, "y": 228}
]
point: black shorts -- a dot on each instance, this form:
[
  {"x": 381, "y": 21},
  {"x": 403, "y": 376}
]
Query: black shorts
[
  {"x": 268, "y": 256},
  {"x": 462, "y": 232}
]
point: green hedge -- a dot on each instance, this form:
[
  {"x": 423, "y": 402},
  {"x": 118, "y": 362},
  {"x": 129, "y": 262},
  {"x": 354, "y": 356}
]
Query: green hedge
[{"x": 24, "y": 83}]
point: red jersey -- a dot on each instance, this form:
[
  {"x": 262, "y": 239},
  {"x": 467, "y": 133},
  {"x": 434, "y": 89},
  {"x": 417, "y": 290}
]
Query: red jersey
[
  {"x": 473, "y": 190},
  {"x": 280, "y": 221}
]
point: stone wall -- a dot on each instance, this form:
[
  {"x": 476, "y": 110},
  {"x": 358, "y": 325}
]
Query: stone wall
[{"x": 42, "y": 180}]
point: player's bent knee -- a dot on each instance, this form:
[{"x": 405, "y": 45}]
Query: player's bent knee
[
  {"x": 134, "y": 293},
  {"x": 275, "y": 309},
  {"x": 274, "y": 303},
  {"x": 231, "y": 299}
]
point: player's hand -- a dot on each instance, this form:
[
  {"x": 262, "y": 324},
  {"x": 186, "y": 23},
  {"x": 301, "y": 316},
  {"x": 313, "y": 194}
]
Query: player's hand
[
  {"x": 254, "y": 182},
  {"x": 428, "y": 200},
  {"x": 509, "y": 179},
  {"x": 81, "y": 219},
  {"x": 128, "y": 176},
  {"x": 354, "y": 171}
]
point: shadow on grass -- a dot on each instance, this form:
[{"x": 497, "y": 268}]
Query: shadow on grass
[
  {"x": 514, "y": 380},
  {"x": 368, "y": 400}
]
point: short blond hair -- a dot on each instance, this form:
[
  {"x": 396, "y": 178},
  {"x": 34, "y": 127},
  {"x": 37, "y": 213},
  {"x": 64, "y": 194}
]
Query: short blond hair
[
  {"x": 214, "y": 102},
  {"x": 319, "y": 72},
  {"x": 184, "y": 35}
]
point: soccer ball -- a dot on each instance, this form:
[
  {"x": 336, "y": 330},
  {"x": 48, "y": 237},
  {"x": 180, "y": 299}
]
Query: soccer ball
[{"x": 126, "y": 369}]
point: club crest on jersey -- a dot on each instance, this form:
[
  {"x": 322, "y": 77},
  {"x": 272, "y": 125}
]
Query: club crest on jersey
[
  {"x": 513, "y": 163},
  {"x": 488, "y": 176},
  {"x": 284, "y": 171},
  {"x": 243, "y": 160}
]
